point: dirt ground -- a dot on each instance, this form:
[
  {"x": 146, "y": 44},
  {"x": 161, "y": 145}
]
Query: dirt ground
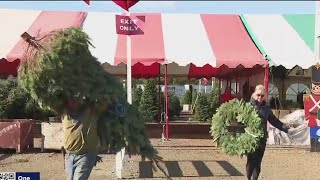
[{"x": 185, "y": 159}]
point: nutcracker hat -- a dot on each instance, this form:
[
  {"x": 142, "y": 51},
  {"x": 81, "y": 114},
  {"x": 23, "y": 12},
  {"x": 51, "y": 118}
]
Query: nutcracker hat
[{"x": 315, "y": 74}]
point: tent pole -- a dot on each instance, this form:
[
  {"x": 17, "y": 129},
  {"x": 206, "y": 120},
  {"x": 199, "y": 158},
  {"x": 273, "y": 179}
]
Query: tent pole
[
  {"x": 236, "y": 86},
  {"x": 159, "y": 96},
  {"x": 120, "y": 154},
  {"x": 167, "y": 103}
]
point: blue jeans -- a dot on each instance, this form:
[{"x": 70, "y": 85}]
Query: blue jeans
[{"x": 79, "y": 167}]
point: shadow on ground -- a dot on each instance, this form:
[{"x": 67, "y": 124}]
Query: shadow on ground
[{"x": 145, "y": 169}]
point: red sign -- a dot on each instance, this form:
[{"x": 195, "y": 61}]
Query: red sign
[
  {"x": 130, "y": 25},
  {"x": 87, "y": 2},
  {"x": 125, "y": 4}
]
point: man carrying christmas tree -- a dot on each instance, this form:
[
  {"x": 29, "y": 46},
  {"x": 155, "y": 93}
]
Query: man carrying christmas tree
[
  {"x": 81, "y": 139},
  {"x": 73, "y": 83}
]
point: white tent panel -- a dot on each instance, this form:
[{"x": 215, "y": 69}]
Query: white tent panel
[{"x": 280, "y": 41}]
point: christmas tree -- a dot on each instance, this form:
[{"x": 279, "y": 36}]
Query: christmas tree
[
  {"x": 149, "y": 104},
  {"x": 202, "y": 109},
  {"x": 214, "y": 97},
  {"x": 137, "y": 93}
]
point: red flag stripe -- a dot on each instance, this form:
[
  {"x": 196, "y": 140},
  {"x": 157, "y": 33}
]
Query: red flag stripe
[{"x": 87, "y": 2}]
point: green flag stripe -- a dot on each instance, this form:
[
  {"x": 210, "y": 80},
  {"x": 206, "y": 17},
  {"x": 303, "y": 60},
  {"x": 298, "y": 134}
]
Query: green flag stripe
[
  {"x": 303, "y": 24},
  {"x": 253, "y": 37}
]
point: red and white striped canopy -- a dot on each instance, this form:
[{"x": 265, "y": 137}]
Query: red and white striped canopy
[
  {"x": 204, "y": 44},
  {"x": 208, "y": 41},
  {"x": 15, "y": 22}
]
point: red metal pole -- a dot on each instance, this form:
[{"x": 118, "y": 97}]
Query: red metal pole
[
  {"x": 167, "y": 102},
  {"x": 159, "y": 96}
]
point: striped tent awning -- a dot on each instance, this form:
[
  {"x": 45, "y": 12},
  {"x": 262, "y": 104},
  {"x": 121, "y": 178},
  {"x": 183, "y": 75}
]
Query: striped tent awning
[
  {"x": 15, "y": 22},
  {"x": 288, "y": 40},
  {"x": 194, "y": 45}
]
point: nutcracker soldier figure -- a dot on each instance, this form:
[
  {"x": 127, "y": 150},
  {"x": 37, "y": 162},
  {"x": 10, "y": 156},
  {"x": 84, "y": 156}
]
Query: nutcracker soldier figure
[{"x": 312, "y": 108}]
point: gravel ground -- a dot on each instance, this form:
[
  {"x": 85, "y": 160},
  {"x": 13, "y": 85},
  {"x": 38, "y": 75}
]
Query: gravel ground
[{"x": 185, "y": 159}]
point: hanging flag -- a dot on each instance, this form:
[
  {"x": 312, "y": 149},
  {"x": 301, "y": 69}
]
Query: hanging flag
[
  {"x": 126, "y": 4},
  {"x": 87, "y": 2}
]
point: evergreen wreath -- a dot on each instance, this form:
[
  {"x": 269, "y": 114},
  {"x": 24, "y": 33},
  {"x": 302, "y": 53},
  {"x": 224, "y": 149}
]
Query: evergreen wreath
[{"x": 237, "y": 143}]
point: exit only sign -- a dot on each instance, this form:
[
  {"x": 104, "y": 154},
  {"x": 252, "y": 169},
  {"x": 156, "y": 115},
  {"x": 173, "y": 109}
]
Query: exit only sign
[{"x": 130, "y": 25}]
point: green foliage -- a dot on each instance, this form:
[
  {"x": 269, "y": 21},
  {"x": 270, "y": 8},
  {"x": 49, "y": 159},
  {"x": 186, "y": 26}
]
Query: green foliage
[
  {"x": 202, "y": 109},
  {"x": 124, "y": 127},
  {"x": 137, "y": 93},
  {"x": 174, "y": 105},
  {"x": 16, "y": 103},
  {"x": 214, "y": 98},
  {"x": 194, "y": 98},
  {"x": 181, "y": 81},
  {"x": 242, "y": 112},
  {"x": 64, "y": 69},
  {"x": 187, "y": 99},
  {"x": 149, "y": 104}
]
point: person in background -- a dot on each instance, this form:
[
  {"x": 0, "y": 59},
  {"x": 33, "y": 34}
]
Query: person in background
[
  {"x": 253, "y": 166},
  {"x": 227, "y": 96}
]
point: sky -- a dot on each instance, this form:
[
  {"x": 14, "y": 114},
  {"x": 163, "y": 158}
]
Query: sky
[{"x": 217, "y": 7}]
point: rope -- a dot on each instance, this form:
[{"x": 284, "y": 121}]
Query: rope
[
  {"x": 215, "y": 139},
  {"x": 253, "y": 135}
]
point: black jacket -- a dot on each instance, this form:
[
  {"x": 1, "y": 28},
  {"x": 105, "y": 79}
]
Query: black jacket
[{"x": 266, "y": 115}]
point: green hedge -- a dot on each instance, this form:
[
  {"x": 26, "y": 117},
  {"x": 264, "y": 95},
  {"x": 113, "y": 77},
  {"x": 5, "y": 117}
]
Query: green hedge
[{"x": 16, "y": 103}]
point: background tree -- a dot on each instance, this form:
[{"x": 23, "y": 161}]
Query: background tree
[
  {"x": 16, "y": 103},
  {"x": 137, "y": 94},
  {"x": 194, "y": 98},
  {"x": 214, "y": 98},
  {"x": 187, "y": 99},
  {"x": 149, "y": 104},
  {"x": 202, "y": 109},
  {"x": 174, "y": 105}
]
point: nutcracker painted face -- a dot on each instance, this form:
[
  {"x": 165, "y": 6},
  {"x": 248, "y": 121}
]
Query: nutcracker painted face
[{"x": 315, "y": 88}]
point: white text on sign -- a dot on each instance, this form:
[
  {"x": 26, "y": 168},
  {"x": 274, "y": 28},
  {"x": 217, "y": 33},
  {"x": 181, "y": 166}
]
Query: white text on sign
[{"x": 130, "y": 25}]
